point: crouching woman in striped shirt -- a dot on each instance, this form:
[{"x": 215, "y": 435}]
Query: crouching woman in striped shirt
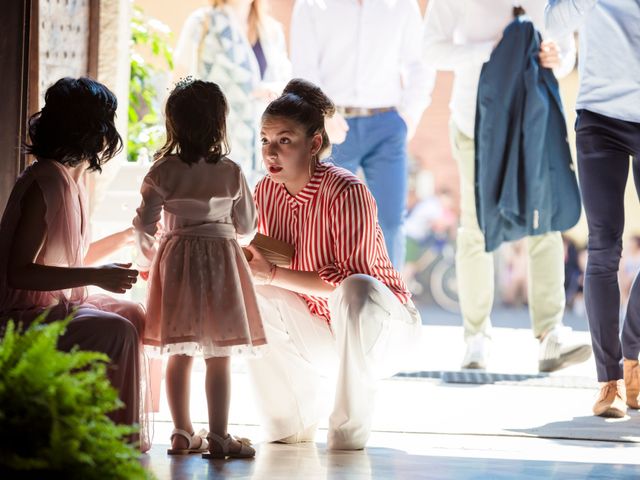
[{"x": 340, "y": 310}]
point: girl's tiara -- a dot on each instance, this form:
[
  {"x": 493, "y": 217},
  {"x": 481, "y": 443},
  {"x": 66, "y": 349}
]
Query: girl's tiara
[{"x": 184, "y": 82}]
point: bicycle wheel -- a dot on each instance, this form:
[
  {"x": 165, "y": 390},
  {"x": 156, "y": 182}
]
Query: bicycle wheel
[{"x": 443, "y": 284}]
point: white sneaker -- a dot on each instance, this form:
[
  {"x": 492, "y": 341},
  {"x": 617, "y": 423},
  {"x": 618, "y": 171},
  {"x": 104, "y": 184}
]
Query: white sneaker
[
  {"x": 477, "y": 352},
  {"x": 557, "y": 351}
]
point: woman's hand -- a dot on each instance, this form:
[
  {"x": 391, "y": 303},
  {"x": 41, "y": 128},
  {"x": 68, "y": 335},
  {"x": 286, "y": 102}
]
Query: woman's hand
[
  {"x": 549, "y": 54},
  {"x": 265, "y": 93},
  {"x": 261, "y": 268},
  {"x": 159, "y": 231},
  {"x": 337, "y": 128},
  {"x": 411, "y": 127},
  {"x": 115, "y": 277}
]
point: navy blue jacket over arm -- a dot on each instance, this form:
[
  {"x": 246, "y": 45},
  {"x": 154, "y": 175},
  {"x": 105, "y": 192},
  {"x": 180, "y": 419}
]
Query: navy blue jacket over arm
[{"x": 525, "y": 180}]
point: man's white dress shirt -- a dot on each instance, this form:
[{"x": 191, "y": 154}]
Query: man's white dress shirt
[
  {"x": 460, "y": 35},
  {"x": 363, "y": 53}
]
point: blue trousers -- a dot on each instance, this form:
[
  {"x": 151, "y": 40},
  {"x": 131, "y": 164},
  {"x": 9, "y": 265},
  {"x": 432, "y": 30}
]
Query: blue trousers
[
  {"x": 378, "y": 144},
  {"x": 604, "y": 147}
]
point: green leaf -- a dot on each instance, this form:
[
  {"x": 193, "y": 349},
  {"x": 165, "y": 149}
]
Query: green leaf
[
  {"x": 55, "y": 405},
  {"x": 152, "y": 37},
  {"x": 150, "y": 118}
]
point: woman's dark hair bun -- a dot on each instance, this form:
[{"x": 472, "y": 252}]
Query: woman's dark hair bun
[{"x": 312, "y": 95}]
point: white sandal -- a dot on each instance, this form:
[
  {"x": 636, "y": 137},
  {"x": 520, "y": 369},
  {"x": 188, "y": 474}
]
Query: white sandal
[
  {"x": 203, "y": 446},
  {"x": 246, "y": 450}
]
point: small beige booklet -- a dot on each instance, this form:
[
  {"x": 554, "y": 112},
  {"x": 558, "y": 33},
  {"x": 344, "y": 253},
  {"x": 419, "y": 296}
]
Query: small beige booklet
[{"x": 275, "y": 251}]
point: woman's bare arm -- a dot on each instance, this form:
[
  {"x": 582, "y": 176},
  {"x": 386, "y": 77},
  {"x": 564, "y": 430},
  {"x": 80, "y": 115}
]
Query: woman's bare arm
[
  {"x": 30, "y": 234},
  {"x": 309, "y": 283},
  {"x": 104, "y": 247}
]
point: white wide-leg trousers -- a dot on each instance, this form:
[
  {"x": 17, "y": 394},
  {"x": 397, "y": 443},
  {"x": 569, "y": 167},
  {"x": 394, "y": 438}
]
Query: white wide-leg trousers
[{"x": 372, "y": 336}]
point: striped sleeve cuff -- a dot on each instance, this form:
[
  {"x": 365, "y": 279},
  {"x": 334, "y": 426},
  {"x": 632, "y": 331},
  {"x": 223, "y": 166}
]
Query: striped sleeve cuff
[{"x": 331, "y": 274}]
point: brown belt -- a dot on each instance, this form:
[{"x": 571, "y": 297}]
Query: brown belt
[{"x": 350, "y": 112}]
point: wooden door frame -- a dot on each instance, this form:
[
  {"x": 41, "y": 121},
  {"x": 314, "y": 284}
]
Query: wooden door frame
[
  {"x": 14, "y": 85},
  {"x": 94, "y": 38},
  {"x": 19, "y": 64}
]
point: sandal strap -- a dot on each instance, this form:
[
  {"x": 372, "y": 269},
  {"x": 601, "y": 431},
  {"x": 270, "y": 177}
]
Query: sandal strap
[
  {"x": 245, "y": 449},
  {"x": 190, "y": 437},
  {"x": 183, "y": 433},
  {"x": 225, "y": 443},
  {"x": 222, "y": 441},
  {"x": 204, "y": 444},
  {"x": 243, "y": 441}
]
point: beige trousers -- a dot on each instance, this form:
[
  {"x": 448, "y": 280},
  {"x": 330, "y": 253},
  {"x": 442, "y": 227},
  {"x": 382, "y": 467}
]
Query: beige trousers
[
  {"x": 372, "y": 336},
  {"x": 474, "y": 266}
]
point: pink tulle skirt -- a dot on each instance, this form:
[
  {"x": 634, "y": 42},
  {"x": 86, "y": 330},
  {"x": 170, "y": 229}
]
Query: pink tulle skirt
[{"x": 201, "y": 299}]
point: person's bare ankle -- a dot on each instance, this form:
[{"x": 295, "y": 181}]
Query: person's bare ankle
[{"x": 179, "y": 442}]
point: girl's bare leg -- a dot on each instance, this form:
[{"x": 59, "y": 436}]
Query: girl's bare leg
[
  {"x": 178, "y": 380},
  {"x": 218, "y": 386}
]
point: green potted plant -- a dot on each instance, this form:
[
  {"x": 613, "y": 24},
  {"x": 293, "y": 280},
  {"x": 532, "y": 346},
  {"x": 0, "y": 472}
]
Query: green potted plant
[{"x": 53, "y": 411}]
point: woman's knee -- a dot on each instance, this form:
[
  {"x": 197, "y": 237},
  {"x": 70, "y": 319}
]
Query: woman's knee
[
  {"x": 124, "y": 329},
  {"x": 103, "y": 323},
  {"x": 358, "y": 311},
  {"x": 353, "y": 294},
  {"x": 124, "y": 341},
  {"x": 132, "y": 311},
  {"x": 138, "y": 318},
  {"x": 100, "y": 331}
]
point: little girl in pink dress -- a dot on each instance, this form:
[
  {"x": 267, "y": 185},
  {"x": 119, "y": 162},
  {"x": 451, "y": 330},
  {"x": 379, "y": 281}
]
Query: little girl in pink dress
[{"x": 201, "y": 298}]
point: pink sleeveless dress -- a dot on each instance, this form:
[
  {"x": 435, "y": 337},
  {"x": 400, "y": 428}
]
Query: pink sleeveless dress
[
  {"x": 101, "y": 323},
  {"x": 201, "y": 298}
]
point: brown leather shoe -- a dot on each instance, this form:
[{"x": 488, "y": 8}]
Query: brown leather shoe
[
  {"x": 611, "y": 402},
  {"x": 632, "y": 382}
]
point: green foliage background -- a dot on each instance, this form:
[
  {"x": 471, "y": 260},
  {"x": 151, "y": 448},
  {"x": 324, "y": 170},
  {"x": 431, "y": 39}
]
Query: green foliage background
[{"x": 146, "y": 132}]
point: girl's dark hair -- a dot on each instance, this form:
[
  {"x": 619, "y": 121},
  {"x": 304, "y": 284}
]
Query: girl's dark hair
[
  {"x": 305, "y": 104},
  {"x": 76, "y": 124},
  {"x": 196, "y": 114}
]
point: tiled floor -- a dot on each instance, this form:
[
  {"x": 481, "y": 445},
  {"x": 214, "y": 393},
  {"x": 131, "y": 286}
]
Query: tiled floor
[
  {"x": 511, "y": 425},
  {"x": 520, "y": 426},
  {"x": 415, "y": 456}
]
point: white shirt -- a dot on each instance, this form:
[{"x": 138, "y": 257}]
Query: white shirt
[
  {"x": 609, "y": 53},
  {"x": 363, "y": 54},
  {"x": 460, "y": 36}
]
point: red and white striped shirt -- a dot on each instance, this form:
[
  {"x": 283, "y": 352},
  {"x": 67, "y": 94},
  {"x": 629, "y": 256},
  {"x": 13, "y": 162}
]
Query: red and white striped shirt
[{"x": 332, "y": 223}]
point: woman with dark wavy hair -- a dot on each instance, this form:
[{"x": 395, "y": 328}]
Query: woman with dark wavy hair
[
  {"x": 44, "y": 241},
  {"x": 76, "y": 124}
]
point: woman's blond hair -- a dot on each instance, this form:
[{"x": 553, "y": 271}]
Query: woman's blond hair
[{"x": 256, "y": 14}]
